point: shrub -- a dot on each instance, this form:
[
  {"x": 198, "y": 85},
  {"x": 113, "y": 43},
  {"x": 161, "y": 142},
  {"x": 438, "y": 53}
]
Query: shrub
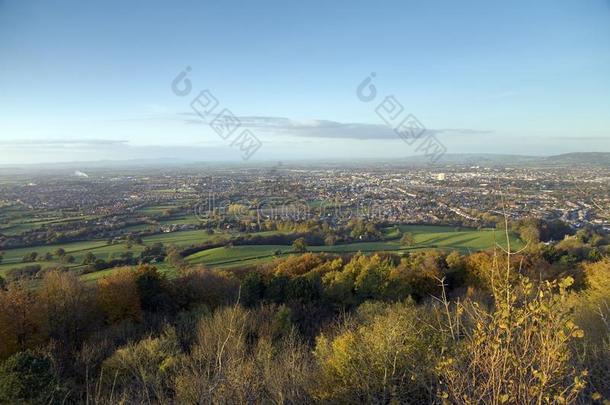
[
  {"x": 29, "y": 257},
  {"x": 144, "y": 370},
  {"x": 517, "y": 353},
  {"x": 235, "y": 360},
  {"x": 27, "y": 377},
  {"x": 385, "y": 358},
  {"x": 592, "y": 313},
  {"x": 593, "y": 303}
]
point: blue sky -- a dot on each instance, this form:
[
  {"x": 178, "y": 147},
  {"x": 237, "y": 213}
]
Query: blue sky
[{"x": 84, "y": 81}]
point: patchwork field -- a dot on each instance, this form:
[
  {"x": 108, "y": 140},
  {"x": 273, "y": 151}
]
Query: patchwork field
[
  {"x": 426, "y": 237},
  {"x": 13, "y": 258}
]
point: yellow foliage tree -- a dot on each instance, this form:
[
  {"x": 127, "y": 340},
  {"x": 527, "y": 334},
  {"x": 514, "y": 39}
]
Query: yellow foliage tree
[
  {"x": 65, "y": 307},
  {"x": 19, "y": 321},
  {"x": 118, "y": 295}
]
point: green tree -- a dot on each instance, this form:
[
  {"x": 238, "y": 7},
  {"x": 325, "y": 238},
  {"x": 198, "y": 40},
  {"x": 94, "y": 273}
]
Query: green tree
[
  {"x": 29, "y": 257},
  {"x": 89, "y": 258},
  {"x": 252, "y": 289},
  {"x": 303, "y": 289},
  {"x": 27, "y": 377},
  {"x": 60, "y": 252},
  {"x": 300, "y": 245},
  {"x": 152, "y": 288},
  {"x": 407, "y": 239},
  {"x": 68, "y": 259}
]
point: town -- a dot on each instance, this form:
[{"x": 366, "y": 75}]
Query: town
[{"x": 156, "y": 200}]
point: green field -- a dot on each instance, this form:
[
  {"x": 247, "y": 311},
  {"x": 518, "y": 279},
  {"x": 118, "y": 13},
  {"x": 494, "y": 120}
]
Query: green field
[
  {"x": 426, "y": 237},
  {"x": 182, "y": 238},
  {"x": 154, "y": 210},
  {"x": 181, "y": 220},
  {"x": 102, "y": 250},
  {"x": 16, "y": 218}
]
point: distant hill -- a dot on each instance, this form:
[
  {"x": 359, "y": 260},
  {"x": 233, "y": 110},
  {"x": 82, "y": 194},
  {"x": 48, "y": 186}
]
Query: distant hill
[
  {"x": 593, "y": 159},
  {"x": 479, "y": 159},
  {"x": 490, "y": 159},
  {"x": 585, "y": 158}
]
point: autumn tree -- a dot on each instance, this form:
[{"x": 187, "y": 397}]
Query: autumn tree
[
  {"x": 175, "y": 259},
  {"x": 530, "y": 234},
  {"x": 298, "y": 265},
  {"x": 66, "y": 307},
  {"x": 19, "y": 321},
  {"x": 118, "y": 296},
  {"x": 363, "y": 277},
  {"x": 419, "y": 273},
  {"x": 200, "y": 285}
]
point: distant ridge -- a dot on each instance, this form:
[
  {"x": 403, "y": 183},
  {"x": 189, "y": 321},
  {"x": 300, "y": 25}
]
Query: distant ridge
[
  {"x": 490, "y": 159},
  {"x": 581, "y": 158},
  {"x": 593, "y": 159}
]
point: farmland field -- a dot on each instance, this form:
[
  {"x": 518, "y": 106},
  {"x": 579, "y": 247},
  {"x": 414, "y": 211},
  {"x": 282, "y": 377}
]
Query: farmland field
[
  {"x": 426, "y": 237},
  {"x": 13, "y": 258}
]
